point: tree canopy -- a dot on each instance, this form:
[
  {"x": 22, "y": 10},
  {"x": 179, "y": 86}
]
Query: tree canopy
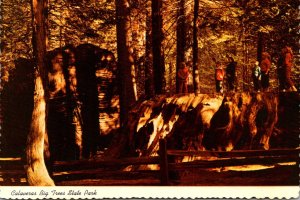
[{"x": 225, "y": 28}]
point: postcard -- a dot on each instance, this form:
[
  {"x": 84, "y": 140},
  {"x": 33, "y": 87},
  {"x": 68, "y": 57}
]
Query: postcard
[{"x": 149, "y": 99}]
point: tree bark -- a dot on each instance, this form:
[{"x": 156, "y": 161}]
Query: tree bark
[
  {"x": 158, "y": 57},
  {"x": 37, "y": 173},
  {"x": 260, "y": 45},
  {"x": 195, "y": 48},
  {"x": 149, "y": 83},
  {"x": 181, "y": 39},
  {"x": 134, "y": 42},
  {"x": 235, "y": 121},
  {"x": 125, "y": 60}
]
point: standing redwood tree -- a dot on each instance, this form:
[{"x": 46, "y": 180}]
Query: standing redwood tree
[
  {"x": 195, "y": 48},
  {"x": 37, "y": 173},
  {"x": 157, "y": 38},
  {"x": 125, "y": 60},
  {"x": 181, "y": 38},
  {"x": 126, "y": 90},
  {"x": 149, "y": 82}
]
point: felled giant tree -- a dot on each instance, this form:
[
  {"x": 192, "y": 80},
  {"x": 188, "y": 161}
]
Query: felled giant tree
[{"x": 37, "y": 173}]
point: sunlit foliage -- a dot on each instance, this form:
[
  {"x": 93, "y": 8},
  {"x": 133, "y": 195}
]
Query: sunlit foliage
[{"x": 225, "y": 28}]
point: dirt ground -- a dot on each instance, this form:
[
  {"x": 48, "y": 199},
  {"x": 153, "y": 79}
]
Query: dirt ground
[
  {"x": 278, "y": 176},
  {"x": 287, "y": 175},
  {"x": 283, "y": 174}
]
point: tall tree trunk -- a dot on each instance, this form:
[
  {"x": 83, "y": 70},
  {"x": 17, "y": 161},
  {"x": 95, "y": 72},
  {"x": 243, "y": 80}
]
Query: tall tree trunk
[
  {"x": 149, "y": 84},
  {"x": 125, "y": 60},
  {"x": 260, "y": 45},
  {"x": 37, "y": 173},
  {"x": 181, "y": 37},
  {"x": 134, "y": 42},
  {"x": 158, "y": 57},
  {"x": 195, "y": 48}
]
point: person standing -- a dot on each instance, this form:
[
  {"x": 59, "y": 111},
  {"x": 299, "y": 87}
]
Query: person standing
[
  {"x": 256, "y": 75},
  {"x": 287, "y": 58},
  {"x": 183, "y": 75},
  {"x": 265, "y": 66},
  {"x": 230, "y": 73},
  {"x": 281, "y": 74},
  {"x": 219, "y": 77}
]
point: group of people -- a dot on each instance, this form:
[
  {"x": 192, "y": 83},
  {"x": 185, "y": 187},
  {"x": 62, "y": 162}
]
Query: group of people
[
  {"x": 229, "y": 72},
  {"x": 260, "y": 73},
  {"x": 183, "y": 75}
]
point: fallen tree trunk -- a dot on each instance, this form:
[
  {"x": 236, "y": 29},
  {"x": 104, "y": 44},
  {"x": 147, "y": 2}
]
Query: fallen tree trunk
[{"x": 234, "y": 121}]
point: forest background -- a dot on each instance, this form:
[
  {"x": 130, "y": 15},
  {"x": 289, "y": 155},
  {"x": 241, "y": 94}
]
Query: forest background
[{"x": 218, "y": 29}]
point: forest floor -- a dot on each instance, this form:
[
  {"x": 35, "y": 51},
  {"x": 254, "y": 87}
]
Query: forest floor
[
  {"x": 279, "y": 175},
  {"x": 283, "y": 174}
]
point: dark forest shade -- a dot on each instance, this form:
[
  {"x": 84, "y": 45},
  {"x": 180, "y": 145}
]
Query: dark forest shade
[
  {"x": 260, "y": 45},
  {"x": 157, "y": 38}
]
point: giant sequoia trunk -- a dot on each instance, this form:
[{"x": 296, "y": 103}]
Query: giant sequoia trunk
[{"x": 36, "y": 169}]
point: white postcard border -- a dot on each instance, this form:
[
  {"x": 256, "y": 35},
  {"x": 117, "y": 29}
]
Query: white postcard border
[{"x": 78, "y": 192}]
